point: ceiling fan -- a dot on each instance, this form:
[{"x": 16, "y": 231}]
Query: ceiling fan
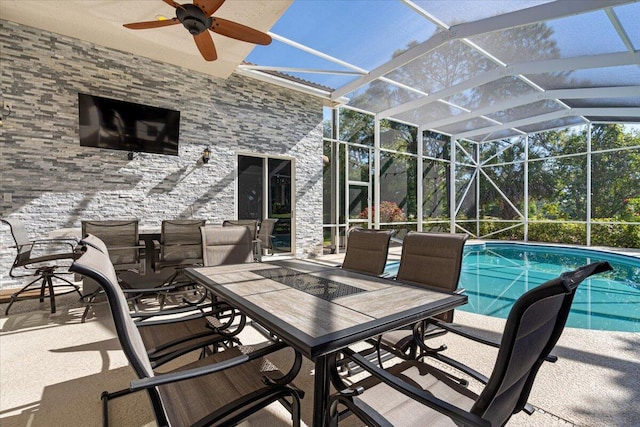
[{"x": 197, "y": 18}]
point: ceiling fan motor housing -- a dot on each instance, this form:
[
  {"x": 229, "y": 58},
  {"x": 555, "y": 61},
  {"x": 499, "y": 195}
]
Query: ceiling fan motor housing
[{"x": 193, "y": 18}]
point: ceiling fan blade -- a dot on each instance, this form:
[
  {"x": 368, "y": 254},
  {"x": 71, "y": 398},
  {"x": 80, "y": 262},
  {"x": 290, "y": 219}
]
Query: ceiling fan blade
[
  {"x": 151, "y": 24},
  {"x": 208, "y": 6},
  {"x": 205, "y": 46},
  {"x": 239, "y": 31},
  {"x": 172, "y": 3}
]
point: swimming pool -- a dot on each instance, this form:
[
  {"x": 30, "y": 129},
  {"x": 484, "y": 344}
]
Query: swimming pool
[{"x": 496, "y": 274}]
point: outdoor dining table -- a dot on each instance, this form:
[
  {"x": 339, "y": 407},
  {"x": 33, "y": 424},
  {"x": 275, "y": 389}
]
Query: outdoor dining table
[{"x": 319, "y": 309}]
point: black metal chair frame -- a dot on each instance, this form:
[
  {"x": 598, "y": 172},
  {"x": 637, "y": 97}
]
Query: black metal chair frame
[
  {"x": 533, "y": 327},
  {"x": 95, "y": 264},
  {"x": 45, "y": 268},
  {"x": 210, "y": 328}
]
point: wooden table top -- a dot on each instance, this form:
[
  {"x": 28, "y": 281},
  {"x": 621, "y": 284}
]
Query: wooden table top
[{"x": 319, "y": 309}]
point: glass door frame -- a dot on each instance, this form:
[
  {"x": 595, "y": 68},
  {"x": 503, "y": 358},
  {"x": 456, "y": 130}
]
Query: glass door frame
[{"x": 266, "y": 199}]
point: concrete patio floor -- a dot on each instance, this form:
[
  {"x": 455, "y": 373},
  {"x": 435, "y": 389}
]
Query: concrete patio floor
[{"x": 53, "y": 369}]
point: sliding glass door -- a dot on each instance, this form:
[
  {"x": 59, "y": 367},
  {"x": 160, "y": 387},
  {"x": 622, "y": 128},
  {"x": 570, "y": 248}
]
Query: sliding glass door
[{"x": 264, "y": 191}]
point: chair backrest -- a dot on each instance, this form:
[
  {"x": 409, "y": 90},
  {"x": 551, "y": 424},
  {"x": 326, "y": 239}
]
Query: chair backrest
[
  {"x": 21, "y": 239},
  {"x": 226, "y": 245},
  {"x": 533, "y": 327},
  {"x": 120, "y": 236},
  {"x": 367, "y": 250},
  {"x": 181, "y": 241},
  {"x": 251, "y": 223},
  {"x": 265, "y": 232},
  {"x": 96, "y": 265},
  {"x": 432, "y": 259}
]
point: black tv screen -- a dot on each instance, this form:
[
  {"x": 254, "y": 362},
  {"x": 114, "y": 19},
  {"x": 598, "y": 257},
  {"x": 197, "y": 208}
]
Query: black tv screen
[{"x": 120, "y": 125}]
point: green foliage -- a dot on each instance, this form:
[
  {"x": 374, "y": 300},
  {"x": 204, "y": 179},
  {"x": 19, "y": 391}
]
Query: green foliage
[
  {"x": 490, "y": 229},
  {"x": 556, "y": 232},
  {"x": 631, "y": 210},
  {"x": 615, "y": 235}
]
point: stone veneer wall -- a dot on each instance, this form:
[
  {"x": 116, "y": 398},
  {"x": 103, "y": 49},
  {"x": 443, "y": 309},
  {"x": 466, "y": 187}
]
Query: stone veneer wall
[{"x": 50, "y": 182}]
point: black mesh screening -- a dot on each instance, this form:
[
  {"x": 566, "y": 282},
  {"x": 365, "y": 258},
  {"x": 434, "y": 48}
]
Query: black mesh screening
[{"x": 320, "y": 287}]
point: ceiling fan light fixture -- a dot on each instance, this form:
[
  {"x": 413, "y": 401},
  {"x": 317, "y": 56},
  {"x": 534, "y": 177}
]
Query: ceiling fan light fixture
[
  {"x": 193, "y": 19},
  {"x": 198, "y": 19}
]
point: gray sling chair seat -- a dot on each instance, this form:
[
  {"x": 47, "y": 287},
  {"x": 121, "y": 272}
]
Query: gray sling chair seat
[
  {"x": 413, "y": 393},
  {"x": 180, "y": 246},
  {"x": 172, "y": 333},
  {"x": 226, "y": 245},
  {"x": 44, "y": 260},
  {"x": 220, "y": 389},
  {"x": 367, "y": 250},
  {"x": 252, "y": 224}
]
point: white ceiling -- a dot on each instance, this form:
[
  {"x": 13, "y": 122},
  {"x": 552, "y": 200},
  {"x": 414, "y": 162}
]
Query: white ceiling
[{"x": 100, "y": 22}]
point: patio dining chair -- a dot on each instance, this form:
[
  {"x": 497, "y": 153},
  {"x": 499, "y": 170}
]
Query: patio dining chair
[
  {"x": 227, "y": 245},
  {"x": 221, "y": 389},
  {"x": 413, "y": 393},
  {"x": 252, "y": 224},
  {"x": 172, "y": 333},
  {"x": 428, "y": 259},
  {"x": 367, "y": 250},
  {"x": 126, "y": 251},
  {"x": 122, "y": 238},
  {"x": 43, "y": 259},
  {"x": 221, "y": 246},
  {"x": 180, "y": 246}
]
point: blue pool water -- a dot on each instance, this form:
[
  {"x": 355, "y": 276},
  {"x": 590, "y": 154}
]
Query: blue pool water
[{"x": 496, "y": 274}]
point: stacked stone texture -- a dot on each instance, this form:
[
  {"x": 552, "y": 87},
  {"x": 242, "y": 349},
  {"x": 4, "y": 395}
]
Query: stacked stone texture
[{"x": 49, "y": 181}]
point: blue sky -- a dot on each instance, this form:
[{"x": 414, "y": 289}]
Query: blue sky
[{"x": 365, "y": 33}]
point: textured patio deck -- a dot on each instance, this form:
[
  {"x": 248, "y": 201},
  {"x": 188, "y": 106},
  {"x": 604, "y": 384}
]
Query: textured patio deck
[{"x": 53, "y": 369}]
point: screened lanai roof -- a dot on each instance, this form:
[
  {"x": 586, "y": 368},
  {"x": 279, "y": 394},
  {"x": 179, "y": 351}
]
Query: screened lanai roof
[{"x": 479, "y": 70}]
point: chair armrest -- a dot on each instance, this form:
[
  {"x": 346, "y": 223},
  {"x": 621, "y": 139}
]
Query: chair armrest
[
  {"x": 71, "y": 240},
  {"x": 467, "y": 332},
  {"x": 71, "y": 243},
  {"x": 149, "y": 321},
  {"x": 415, "y": 393},
  {"x": 171, "y": 377}
]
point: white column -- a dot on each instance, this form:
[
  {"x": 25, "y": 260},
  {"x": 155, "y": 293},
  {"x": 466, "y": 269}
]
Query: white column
[
  {"x": 526, "y": 188},
  {"x": 376, "y": 174},
  {"x": 419, "y": 178},
  {"x": 588, "y": 216},
  {"x": 452, "y": 186}
]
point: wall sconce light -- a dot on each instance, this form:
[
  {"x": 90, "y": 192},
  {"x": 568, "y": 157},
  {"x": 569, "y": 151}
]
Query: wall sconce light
[{"x": 206, "y": 155}]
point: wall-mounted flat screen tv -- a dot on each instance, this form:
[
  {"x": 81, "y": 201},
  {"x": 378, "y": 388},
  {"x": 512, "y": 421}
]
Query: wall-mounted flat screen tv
[{"x": 120, "y": 125}]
